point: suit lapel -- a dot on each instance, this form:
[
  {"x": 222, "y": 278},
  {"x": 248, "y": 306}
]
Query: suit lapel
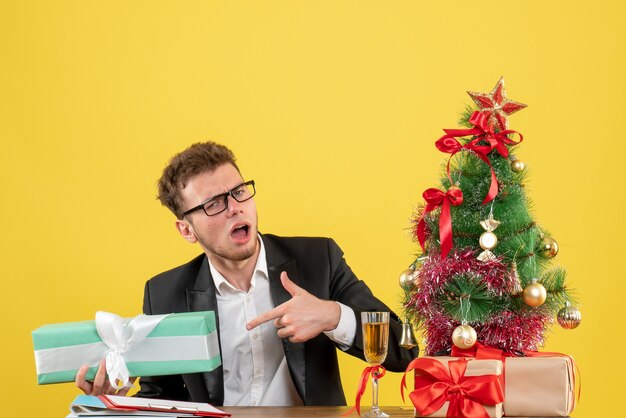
[
  {"x": 202, "y": 298},
  {"x": 277, "y": 262}
]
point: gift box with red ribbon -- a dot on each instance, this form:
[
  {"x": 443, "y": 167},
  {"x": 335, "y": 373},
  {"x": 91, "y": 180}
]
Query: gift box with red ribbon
[
  {"x": 456, "y": 387},
  {"x": 536, "y": 384}
]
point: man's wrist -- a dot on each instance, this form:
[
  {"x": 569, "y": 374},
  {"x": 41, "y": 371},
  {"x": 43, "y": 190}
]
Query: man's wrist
[
  {"x": 345, "y": 330},
  {"x": 334, "y": 317}
]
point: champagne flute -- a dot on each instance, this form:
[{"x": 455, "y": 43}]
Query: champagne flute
[{"x": 375, "y": 342}]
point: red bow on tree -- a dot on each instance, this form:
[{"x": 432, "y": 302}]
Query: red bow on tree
[
  {"x": 484, "y": 131},
  {"x": 451, "y": 145},
  {"x": 435, "y": 198},
  {"x": 435, "y": 384}
]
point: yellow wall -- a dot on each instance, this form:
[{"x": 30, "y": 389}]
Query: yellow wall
[{"x": 332, "y": 107}]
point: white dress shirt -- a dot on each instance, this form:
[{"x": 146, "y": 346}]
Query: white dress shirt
[{"x": 255, "y": 367}]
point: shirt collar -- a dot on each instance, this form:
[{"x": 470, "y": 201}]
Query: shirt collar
[{"x": 260, "y": 270}]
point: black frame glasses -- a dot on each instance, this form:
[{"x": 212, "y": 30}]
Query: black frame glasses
[{"x": 234, "y": 193}]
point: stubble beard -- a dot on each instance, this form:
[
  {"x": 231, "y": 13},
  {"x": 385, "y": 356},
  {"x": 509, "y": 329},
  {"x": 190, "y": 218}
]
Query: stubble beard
[{"x": 238, "y": 254}]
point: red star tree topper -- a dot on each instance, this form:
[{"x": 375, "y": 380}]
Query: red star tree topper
[{"x": 496, "y": 106}]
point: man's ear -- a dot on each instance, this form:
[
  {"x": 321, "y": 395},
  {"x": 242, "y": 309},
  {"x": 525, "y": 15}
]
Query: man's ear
[{"x": 186, "y": 230}]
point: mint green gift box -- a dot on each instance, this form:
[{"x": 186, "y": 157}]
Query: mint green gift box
[{"x": 179, "y": 343}]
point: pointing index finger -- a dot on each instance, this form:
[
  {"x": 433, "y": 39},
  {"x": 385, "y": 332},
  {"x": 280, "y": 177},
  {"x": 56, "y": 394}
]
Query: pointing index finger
[{"x": 277, "y": 312}]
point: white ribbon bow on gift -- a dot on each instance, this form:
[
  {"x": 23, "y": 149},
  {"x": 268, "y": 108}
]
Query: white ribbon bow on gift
[{"x": 119, "y": 334}]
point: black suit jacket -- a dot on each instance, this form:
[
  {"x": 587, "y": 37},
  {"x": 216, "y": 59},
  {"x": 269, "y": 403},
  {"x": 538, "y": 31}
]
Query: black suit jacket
[{"x": 315, "y": 264}]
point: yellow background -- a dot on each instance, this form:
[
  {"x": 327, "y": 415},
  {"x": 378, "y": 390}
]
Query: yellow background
[{"x": 333, "y": 108}]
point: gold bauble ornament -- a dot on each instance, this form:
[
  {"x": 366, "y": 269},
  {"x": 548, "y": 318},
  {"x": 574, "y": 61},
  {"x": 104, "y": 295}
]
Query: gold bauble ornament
[
  {"x": 407, "y": 279},
  {"x": 535, "y": 294},
  {"x": 517, "y": 165},
  {"x": 549, "y": 246},
  {"x": 569, "y": 317},
  {"x": 464, "y": 336}
]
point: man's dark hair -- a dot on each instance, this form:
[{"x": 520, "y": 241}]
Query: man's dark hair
[{"x": 198, "y": 158}]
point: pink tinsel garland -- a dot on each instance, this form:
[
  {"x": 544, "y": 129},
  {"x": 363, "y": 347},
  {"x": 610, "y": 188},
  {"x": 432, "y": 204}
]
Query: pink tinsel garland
[{"x": 511, "y": 331}]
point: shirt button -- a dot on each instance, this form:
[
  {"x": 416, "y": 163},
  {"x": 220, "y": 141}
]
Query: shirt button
[
  {"x": 253, "y": 403},
  {"x": 255, "y": 336}
]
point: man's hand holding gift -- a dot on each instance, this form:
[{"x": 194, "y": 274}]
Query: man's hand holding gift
[{"x": 100, "y": 384}]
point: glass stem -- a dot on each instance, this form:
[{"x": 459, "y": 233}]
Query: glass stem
[{"x": 375, "y": 392}]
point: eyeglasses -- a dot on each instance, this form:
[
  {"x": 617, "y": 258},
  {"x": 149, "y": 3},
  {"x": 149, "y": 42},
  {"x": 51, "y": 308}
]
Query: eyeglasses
[{"x": 218, "y": 204}]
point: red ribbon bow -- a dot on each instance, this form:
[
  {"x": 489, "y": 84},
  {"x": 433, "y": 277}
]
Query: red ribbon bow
[
  {"x": 451, "y": 145},
  {"x": 378, "y": 372},
  {"x": 435, "y": 198},
  {"x": 483, "y": 131},
  {"x": 435, "y": 384}
]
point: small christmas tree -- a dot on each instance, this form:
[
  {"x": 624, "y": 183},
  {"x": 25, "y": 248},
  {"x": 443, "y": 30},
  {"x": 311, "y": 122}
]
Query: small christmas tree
[{"x": 484, "y": 272}]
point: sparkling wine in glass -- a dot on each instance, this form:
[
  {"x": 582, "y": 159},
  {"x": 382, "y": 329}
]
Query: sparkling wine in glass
[{"x": 375, "y": 342}]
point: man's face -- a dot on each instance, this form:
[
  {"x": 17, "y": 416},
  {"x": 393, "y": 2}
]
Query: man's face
[{"x": 227, "y": 236}]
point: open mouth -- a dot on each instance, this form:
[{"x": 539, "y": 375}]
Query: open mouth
[{"x": 240, "y": 232}]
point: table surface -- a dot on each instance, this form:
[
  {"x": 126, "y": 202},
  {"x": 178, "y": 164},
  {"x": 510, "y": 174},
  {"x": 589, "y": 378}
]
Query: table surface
[{"x": 310, "y": 411}]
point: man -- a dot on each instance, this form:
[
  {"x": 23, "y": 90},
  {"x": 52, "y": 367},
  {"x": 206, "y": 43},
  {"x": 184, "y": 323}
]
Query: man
[{"x": 283, "y": 305}]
